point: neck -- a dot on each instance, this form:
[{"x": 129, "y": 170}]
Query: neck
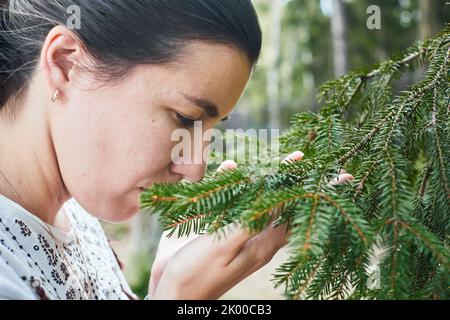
[{"x": 32, "y": 177}]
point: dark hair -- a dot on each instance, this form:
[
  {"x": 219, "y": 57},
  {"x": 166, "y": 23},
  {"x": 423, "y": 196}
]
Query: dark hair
[{"x": 120, "y": 34}]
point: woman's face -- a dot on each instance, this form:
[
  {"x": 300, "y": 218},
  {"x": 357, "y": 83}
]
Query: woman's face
[{"x": 111, "y": 141}]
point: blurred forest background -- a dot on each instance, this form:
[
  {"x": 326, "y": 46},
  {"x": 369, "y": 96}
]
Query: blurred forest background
[{"x": 305, "y": 43}]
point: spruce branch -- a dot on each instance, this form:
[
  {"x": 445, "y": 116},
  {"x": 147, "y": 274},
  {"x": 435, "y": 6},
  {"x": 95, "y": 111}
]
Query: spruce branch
[{"x": 395, "y": 144}]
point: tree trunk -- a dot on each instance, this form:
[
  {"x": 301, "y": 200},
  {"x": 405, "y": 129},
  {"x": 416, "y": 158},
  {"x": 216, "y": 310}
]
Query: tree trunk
[
  {"x": 339, "y": 41},
  {"x": 145, "y": 234},
  {"x": 425, "y": 30},
  {"x": 273, "y": 75},
  {"x": 426, "y": 25}
]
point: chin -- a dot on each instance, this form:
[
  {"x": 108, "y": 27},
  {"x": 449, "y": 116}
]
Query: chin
[
  {"x": 120, "y": 214},
  {"x": 116, "y": 208}
]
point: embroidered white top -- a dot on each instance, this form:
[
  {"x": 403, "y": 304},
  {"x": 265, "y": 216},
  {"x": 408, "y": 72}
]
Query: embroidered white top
[{"x": 32, "y": 267}]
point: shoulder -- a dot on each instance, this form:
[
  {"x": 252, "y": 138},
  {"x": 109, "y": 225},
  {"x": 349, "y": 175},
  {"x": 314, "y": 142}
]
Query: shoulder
[
  {"x": 12, "y": 285},
  {"x": 13, "y": 268}
]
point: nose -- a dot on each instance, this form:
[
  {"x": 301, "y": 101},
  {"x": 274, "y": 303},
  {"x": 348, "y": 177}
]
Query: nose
[
  {"x": 190, "y": 172},
  {"x": 191, "y": 166}
]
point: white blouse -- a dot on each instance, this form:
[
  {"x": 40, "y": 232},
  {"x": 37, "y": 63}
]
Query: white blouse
[{"x": 80, "y": 264}]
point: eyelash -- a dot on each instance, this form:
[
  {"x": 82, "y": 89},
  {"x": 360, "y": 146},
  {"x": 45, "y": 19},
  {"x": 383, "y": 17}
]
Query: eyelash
[{"x": 186, "y": 121}]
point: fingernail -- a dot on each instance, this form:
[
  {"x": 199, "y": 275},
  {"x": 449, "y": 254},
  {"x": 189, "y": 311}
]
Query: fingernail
[
  {"x": 346, "y": 177},
  {"x": 227, "y": 165},
  {"x": 294, "y": 156}
]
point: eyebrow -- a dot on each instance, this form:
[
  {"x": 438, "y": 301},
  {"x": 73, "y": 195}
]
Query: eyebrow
[{"x": 210, "y": 108}]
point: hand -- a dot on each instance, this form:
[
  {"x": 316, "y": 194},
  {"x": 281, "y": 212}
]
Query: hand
[{"x": 201, "y": 267}]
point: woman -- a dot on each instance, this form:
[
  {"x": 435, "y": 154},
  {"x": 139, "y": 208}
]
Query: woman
[{"x": 85, "y": 123}]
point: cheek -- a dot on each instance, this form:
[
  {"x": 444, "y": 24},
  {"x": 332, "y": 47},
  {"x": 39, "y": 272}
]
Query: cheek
[
  {"x": 104, "y": 158},
  {"x": 146, "y": 160}
]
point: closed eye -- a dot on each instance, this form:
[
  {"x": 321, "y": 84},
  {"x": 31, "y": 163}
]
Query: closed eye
[{"x": 187, "y": 122}]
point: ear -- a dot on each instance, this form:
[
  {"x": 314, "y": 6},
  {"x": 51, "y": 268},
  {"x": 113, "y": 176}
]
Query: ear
[{"x": 61, "y": 52}]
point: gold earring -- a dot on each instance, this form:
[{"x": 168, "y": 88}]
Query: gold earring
[{"x": 55, "y": 96}]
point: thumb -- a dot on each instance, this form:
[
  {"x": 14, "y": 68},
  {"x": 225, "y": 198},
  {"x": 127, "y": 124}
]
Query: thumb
[
  {"x": 341, "y": 179},
  {"x": 227, "y": 165}
]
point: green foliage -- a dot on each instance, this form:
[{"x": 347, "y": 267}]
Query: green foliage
[{"x": 398, "y": 149}]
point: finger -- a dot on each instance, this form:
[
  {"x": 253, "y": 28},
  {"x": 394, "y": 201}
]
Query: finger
[
  {"x": 342, "y": 178},
  {"x": 254, "y": 251},
  {"x": 259, "y": 250},
  {"x": 167, "y": 247},
  {"x": 227, "y": 165},
  {"x": 239, "y": 237},
  {"x": 155, "y": 277},
  {"x": 274, "y": 237},
  {"x": 235, "y": 237},
  {"x": 294, "y": 156}
]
